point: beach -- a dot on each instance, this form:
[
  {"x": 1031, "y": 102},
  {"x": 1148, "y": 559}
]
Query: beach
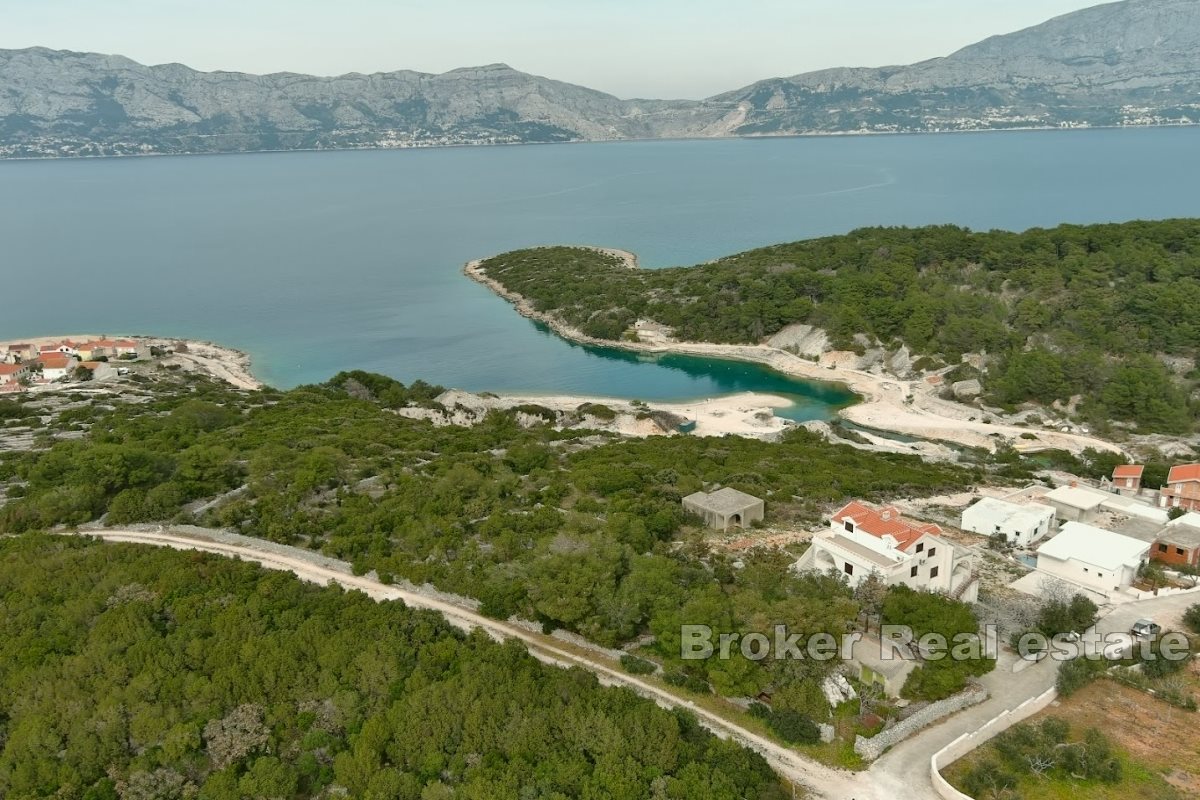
[{"x": 889, "y": 404}]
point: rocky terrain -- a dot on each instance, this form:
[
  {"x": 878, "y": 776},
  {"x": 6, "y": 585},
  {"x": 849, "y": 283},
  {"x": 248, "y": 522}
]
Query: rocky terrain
[{"x": 1130, "y": 63}]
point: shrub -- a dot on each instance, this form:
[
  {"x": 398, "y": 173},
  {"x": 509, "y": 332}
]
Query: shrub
[
  {"x": 1191, "y": 618},
  {"x": 1075, "y": 674},
  {"x": 637, "y": 666},
  {"x": 794, "y": 728}
]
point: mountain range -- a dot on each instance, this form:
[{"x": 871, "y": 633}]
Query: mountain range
[{"x": 1135, "y": 62}]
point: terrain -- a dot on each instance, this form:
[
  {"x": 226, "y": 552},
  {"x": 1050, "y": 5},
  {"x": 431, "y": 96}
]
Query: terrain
[
  {"x": 1126, "y": 63},
  {"x": 1076, "y": 330}
]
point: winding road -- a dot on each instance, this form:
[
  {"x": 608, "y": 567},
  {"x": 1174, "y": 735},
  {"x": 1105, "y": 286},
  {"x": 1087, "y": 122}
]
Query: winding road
[{"x": 901, "y": 774}]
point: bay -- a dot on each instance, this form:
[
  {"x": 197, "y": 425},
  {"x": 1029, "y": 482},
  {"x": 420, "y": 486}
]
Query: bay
[{"x": 317, "y": 262}]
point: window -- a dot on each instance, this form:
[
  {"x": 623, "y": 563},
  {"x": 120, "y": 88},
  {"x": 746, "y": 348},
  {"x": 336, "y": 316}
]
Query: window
[
  {"x": 912, "y": 573},
  {"x": 933, "y": 573},
  {"x": 932, "y": 552},
  {"x": 1179, "y": 551},
  {"x": 849, "y": 568},
  {"x": 849, "y": 525},
  {"x": 921, "y": 547},
  {"x": 1162, "y": 548}
]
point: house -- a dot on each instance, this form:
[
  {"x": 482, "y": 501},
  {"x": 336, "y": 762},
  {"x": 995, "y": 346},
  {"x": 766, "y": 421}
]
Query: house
[
  {"x": 21, "y": 352},
  {"x": 1021, "y": 525},
  {"x": 1178, "y": 544},
  {"x": 1127, "y": 478},
  {"x": 725, "y": 508},
  {"x": 13, "y": 373},
  {"x": 863, "y": 540},
  {"x": 1182, "y": 489},
  {"x": 1075, "y": 503},
  {"x": 101, "y": 370},
  {"x": 56, "y": 366},
  {"x": 1091, "y": 557},
  {"x": 881, "y": 665}
]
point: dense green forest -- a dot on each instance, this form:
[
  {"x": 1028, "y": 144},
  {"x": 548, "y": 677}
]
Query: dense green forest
[
  {"x": 144, "y": 674},
  {"x": 574, "y": 529},
  {"x": 1074, "y": 310}
]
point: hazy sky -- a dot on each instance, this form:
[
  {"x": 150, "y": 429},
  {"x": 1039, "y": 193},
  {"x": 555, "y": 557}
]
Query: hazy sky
[{"x": 646, "y": 48}]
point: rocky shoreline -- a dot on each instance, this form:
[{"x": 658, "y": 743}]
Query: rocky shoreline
[{"x": 910, "y": 407}]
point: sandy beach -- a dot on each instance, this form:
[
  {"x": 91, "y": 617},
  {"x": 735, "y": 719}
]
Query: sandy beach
[{"x": 908, "y": 407}]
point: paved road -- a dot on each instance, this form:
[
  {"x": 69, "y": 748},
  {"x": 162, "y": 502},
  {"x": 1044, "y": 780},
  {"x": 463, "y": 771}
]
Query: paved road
[{"x": 901, "y": 774}]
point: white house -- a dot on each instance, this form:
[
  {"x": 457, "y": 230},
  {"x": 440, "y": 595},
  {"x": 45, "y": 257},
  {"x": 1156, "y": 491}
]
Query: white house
[
  {"x": 1092, "y": 557},
  {"x": 1076, "y": 503},
  {"x": 1020, "y": 524},
  {"x": 863, "y": 540}
]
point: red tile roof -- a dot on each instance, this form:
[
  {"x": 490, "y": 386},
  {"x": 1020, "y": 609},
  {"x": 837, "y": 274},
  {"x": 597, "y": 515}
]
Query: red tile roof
[
  {"x": 1128, "y": 471},
  {"x": 11, "y": 369},
  {"x": 1184, "y": 473},
  {"x": 885, "y": 521},
  {"x": 55, "y": 360}
]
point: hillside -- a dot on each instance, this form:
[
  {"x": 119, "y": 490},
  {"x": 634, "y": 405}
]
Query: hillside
[
  {"x": 1106, "y": 313},
  {"x": 1133, "y": 62}
]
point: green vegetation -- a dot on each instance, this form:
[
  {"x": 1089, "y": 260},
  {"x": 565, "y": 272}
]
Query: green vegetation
[
  {"x": 548, "y": 525},
  {"x": 137, "y": 673},
  {"x": 1074, "y": 310},
  {"x": 930, "y": 613},
  {"x": 1191, "y": 618},
  {"x": 1044, "y": 752}
]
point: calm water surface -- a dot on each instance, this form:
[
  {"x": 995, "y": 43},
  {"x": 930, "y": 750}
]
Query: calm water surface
[{"x": 316, "y": 262}]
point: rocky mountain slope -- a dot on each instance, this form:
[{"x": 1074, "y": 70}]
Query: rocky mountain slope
[{"x": 1133, "y": 62}]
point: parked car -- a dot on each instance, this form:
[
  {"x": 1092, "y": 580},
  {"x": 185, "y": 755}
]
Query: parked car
[{"x": 1146, "y": 629}]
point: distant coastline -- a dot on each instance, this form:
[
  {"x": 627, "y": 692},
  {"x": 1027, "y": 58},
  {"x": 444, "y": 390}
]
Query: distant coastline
[{"x": 632, "y": 139}]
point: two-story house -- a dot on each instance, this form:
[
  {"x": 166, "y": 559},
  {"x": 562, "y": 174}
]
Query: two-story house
[
  {"x": 863, "y": 540},
  {"x": 1182, "y": 489}
]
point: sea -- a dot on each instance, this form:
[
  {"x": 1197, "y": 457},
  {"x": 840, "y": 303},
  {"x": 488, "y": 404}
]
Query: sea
[{"x": 315, "y": 262}]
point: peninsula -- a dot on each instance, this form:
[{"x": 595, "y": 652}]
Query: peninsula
[{"x": 1070, "y": 338}]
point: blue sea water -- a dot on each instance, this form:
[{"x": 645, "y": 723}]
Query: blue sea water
[{"x": 317, "y": 262}]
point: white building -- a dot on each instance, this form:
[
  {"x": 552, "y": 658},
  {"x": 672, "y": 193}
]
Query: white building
[
  {"x": 1092, "y": 557},
  {"x": 1076, "y": 503},
  {"x": 1021, "y": 525},
  {"x": 863, "y": 540}
]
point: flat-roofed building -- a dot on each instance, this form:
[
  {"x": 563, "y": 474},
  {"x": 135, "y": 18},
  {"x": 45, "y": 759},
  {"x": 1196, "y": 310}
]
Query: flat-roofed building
[
  {"x": 725, "y": 508},
  {"x": 1020, "y": 524},
  {"x": 1093, "y": 557}
]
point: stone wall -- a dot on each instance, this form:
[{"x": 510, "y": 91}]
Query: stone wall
[{"x": 873, "y": 748}]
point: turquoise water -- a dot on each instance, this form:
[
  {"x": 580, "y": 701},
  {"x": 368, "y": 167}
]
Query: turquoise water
[{"x": 315, "y": 262}]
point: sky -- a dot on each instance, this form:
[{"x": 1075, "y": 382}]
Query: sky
[{"x": 630, "y": 48}]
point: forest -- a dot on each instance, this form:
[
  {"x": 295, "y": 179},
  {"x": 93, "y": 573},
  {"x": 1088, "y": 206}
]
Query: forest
[
  {"x": 1110, "y": 312},
  {"x": 145, "y": 674},
  {"x": 573, "y": 529}
]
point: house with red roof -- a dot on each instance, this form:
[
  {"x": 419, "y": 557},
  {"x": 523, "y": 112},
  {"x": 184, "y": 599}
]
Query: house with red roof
[
  {"x": 13, "y": 373},
  {"x": 56, "y": 366},
  {"x": 1127, "y": 478},
  {"x": 864, "y": 540},
  {"x": 1182, "y": 489}
]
